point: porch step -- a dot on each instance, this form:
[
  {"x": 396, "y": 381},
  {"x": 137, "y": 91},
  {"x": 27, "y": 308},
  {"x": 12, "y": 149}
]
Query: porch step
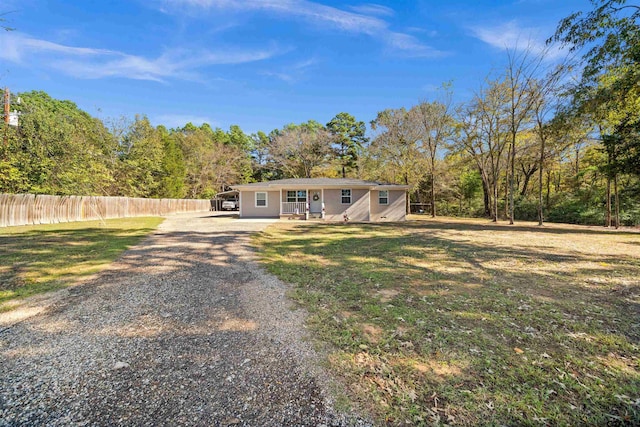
[
  {"x": 301, "y": 216},
  {"x": 293, "y": 216}
]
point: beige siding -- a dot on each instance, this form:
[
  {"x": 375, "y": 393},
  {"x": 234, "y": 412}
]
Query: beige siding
[
  {"x": 358, "y": 210},
  {"x": 248, "y": 208},
  {"x": 394, "y": 211}
]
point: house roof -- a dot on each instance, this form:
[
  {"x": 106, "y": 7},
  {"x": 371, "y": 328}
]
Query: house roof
[
  {"x": 305, "y": 183},
  {"x": 224, "y": 194}
]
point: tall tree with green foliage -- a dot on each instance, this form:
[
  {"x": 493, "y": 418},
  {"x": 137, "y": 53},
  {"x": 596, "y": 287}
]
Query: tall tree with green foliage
[
  {"x": 212, "y": 163},
  {"x": 173, "y": 167},
  {"x": 141, "y": 162},
  {"x": 611, "y": 74},
  {"x": 262, "y": 169},
  {"x": 55, "y": 147},
  {"x": 349, "y": 138}
]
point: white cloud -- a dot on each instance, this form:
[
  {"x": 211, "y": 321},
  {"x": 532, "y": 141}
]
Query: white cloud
[
  {"x": 14, "y": 47},
  {"x": 419, "y": 30},
  {"x": 90, "y": 63},
  {"x": 408, "y": 45},
  {"x": 319, "y": 14},
  {"x": 512, "y": 36},
  {"x": 294, "y": 72},
  {"x": 373, "y": 9}
]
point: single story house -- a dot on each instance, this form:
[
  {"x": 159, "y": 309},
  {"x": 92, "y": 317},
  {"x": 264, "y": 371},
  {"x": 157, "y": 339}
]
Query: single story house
[{"x": 331, "y": 199}]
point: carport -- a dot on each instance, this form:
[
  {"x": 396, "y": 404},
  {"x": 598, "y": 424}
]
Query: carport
[{"x": 216, "y": 202}]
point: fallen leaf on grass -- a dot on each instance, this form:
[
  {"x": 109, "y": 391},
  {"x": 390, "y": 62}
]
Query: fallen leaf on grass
[{"x": 518, "y": 350}]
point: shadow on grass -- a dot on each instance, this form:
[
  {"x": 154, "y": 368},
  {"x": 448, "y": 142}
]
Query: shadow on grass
[
  {"x": 424, "y": 262},
  {"x": 41, "y": 260},
  {"x": 465, "y": 296},
  {"x": 416, "y": 241},
  {"x": 50, "y": 256},
  {"x": 173, "y": 309}
]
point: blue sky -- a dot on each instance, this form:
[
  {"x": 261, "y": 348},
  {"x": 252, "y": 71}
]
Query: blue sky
[{"x": 263, "y": 63}]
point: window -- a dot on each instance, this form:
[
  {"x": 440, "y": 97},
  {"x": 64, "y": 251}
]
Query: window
[
  {"x": 296, "y": 196},
  {"x": 383, "y": 197},
  {"x": 346, "y": 197},
  {"x": 261, "y": 200}
]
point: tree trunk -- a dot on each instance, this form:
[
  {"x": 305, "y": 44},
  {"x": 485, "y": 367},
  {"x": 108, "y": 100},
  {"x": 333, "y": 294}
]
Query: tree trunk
[
  {"x": 607, "y": 221},
  {"x": 486, "y": 190},
  {"x": 343, "y": 150},
  {"x": 578, "y": 166},
  {"x": 527, "y": 178},
  {"x": 540, "y": 175},
  {"x": 433, "y": 194},
  {"x": 512, "y": 207},
  {"x": 548, "y": 198},
  {"x": 506, "y": 194},
  {"x": 616, "y": 200},
  {"x": 495, "y": 200}
]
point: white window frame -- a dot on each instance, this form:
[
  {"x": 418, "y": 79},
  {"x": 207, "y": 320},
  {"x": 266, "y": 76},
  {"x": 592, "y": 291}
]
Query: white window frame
[
  {"x": 297, "y": 198},
  {"x": 266, "y": 199},
  {"x": 380, "y": 197},
  {"x": 342, "y": 196}
]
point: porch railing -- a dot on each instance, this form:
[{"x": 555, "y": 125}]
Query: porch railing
[{"x": 294, "y": 207}]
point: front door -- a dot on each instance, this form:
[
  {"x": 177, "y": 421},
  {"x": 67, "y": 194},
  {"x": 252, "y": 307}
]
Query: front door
[{"x": 315, "y": 197}]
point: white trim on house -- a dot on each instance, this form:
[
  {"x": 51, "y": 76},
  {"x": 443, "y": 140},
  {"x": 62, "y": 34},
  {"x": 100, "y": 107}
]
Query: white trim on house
[{"x": 266, "y": 199}]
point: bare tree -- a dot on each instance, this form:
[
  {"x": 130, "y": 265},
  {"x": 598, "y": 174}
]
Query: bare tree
[
  {"x": 484, "y": 128},
  {"x": 522, "y": 68},
  {"x": 543, "y": 94},
  {"x": 435, "y": 126},
  {"x": 298, "y": 149},
  {"x": 489, "y": 107},
  {"x": 468, "y": 140},
  {"x": 395, "y": 148},
  {"x": 396, "y": 145}
]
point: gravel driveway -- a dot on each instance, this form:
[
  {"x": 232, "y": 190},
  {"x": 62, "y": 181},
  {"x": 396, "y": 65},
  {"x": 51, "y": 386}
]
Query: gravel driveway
[{"x": 184, "y": 329}]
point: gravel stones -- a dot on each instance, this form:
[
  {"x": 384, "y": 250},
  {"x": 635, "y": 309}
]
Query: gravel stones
[
  {"x": 184, "y": 329},
  {"x": 120, "y": 365}
]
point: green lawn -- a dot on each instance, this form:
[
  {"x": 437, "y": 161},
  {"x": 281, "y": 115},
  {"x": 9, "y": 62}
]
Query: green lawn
[
  {"x": 467, "y": 322},
  {"x": 40, "y": 258}
]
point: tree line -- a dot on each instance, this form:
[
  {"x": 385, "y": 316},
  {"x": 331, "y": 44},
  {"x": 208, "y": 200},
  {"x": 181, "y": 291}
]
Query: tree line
[{"x": 534, "y": 142}]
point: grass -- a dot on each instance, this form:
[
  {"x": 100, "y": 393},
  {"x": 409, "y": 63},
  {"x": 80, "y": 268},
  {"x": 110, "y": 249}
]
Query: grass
[
  {"x": 470, "y": 323},
  {"x": 41, "y": 258}
]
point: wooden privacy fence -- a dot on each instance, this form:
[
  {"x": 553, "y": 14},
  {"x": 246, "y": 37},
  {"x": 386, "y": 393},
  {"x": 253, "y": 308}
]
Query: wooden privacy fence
[{"x": 25, "y": 209}]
